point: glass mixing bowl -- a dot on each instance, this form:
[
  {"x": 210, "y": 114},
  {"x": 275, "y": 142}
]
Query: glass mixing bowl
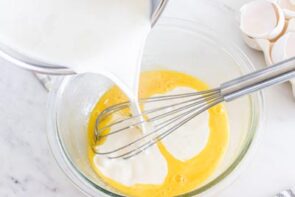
[{"x": 173, "y": 44}]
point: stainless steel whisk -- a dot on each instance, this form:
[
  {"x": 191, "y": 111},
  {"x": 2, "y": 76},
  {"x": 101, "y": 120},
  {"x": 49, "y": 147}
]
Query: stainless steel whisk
[{"x": 166, "y": 118}]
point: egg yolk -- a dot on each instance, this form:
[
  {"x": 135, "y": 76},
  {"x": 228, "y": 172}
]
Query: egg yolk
[{"x": 182, "y": 176}]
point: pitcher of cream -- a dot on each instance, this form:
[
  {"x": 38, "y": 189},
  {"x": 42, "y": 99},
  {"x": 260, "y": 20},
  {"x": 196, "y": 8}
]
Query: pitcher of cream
[{"x": 65, "y": 37}]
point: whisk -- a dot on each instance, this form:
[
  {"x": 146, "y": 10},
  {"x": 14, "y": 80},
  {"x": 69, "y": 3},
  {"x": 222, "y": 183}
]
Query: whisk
[{"x": 163, "y": 118}]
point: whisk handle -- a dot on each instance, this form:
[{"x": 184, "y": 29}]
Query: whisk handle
[{"x": 258, "y": 80}]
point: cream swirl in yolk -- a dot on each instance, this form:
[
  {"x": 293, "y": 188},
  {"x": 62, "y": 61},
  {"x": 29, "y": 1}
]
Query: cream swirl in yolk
[{"x": 181, "y": 175}]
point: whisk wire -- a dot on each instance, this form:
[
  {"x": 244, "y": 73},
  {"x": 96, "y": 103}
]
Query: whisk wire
[
  {"x": 162, "y": 129},
  {"x": 196, "y": 101},
  {"x": 120, "y": 106},
  {"x": 153, "y": 141}
]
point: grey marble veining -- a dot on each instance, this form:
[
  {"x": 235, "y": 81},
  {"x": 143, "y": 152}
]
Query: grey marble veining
[{"x": 28, "y": 169}]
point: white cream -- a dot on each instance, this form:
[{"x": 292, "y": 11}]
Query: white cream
[
  {"x": 96, "y": 36},
  {"x": 191, "y": 138},
  {"x": 150, "y": 167}
]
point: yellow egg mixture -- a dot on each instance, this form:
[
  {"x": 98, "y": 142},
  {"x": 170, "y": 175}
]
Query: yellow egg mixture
[{"x": 183, "y": 176}]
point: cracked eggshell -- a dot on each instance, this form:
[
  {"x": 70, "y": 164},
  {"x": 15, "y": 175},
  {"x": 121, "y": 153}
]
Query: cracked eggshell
[
  {"x": 260, "y": 45},
  {"x": 291, "y": 25},
  {"x": 283, "y": 48},
  {"x": 288, "y": 7},
  {"x": 292, "y": 81},
  {"x": 279, "y": 50},
  {"x": 252, "y": 43},
  {"x": 265, "y": 45},
  {"x": 262, "y": 19},
  {"x": 292, "y": 29}
]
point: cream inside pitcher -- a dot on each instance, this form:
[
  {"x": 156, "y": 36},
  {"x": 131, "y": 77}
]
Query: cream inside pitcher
[{"x": 31, "y": 62}]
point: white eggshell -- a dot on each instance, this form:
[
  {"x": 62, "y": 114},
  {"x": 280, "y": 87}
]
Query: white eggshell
[
  {"x": 251, "y": 42},
  {"x": 283, "y": 48},
  {"x": 262, "y": 19},
  {"x": 290, "y": 45},
  {"x": 288, "y": 7},
  {"x": 260, "y": 45},
  {"x": 265, "y": 45},
  {"x": 278, "y": 50},
  {"x": 291, "y": 25},
  {"x": 292, "y": 81}
]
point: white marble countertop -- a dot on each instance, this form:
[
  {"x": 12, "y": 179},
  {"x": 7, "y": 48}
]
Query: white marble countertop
[{"x": 28, "y": 169}]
